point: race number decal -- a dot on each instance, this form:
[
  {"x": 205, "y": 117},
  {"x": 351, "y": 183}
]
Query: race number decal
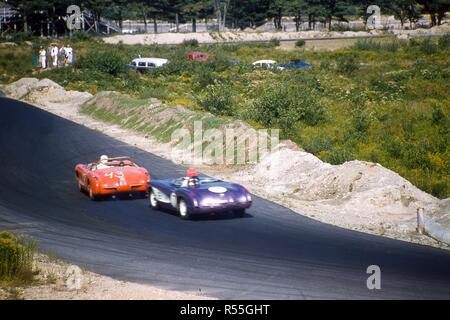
[
  {"x": 119, "y": 175},
  {"x": 217, "y": 189}
]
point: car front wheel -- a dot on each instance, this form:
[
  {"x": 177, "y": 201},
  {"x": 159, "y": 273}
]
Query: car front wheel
[
  {"x": 183, "y": 210},
  {"x": 91, "y": 194},
  {"x": 153, "y": 202}
]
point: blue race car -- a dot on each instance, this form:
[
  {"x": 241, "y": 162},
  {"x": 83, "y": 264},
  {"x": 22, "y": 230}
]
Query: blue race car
[{"x": 192, "y": 195}]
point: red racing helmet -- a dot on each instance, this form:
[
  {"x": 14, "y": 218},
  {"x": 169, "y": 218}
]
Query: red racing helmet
[{"x": 192, "y": 173}]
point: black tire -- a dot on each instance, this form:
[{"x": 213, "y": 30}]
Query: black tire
[
  {"x": 154, "y": 204},
  {"x": 239, "y": 213},
  {"x": 80, "y": 186},
  {"x": 91, "y": 194},
  {"x": 183, "y": 210}
]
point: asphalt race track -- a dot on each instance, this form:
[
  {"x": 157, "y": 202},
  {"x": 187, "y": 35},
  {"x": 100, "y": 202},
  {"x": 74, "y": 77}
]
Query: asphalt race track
[{"x": 271, "y": 253}]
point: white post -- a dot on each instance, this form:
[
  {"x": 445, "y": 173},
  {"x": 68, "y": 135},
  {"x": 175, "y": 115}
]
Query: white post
[{"x": 420, "y": 220}]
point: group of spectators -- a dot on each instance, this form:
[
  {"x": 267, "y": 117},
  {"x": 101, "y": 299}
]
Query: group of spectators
[{"x": 55, "y": 57}]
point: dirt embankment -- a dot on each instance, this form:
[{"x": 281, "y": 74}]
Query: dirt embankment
[
  {"x": 249, "y": 36},
  {"x": 357, "y": 195}
]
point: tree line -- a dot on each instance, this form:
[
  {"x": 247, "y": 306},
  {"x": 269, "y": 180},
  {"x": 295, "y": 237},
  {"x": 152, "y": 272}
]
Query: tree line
[{"x": 231, "y": 13}]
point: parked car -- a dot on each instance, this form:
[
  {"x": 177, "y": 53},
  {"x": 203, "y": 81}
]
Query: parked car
[
  {"x": 192, "y": 195},
  {"x": 296, "y": 64},
  {"x": 144, "y": 64},
  {"x": 266, "y": 64},
  {"x": 197, "y": 56}
]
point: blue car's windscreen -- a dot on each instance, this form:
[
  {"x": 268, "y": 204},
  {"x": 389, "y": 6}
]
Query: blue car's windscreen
[{"x": 209, "y": 180}]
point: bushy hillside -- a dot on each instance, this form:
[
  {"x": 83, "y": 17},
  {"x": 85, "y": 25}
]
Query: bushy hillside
[{"x": 384, "y": 101}]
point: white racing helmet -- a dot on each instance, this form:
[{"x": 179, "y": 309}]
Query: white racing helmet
[{"x": 104, "y": 159}]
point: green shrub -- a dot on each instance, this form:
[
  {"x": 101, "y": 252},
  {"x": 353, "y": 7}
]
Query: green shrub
[
  {"x": 440, "y": 189},
  {"x": 377, "y": 45},
  {"x": 81, "y": 35},
  {"x": 300, "y": 43},
  {"x": 283, "y": 106},
  {"x": 438, "y": 116},
  {"x": 346, "y": 64},
  {"x": 444, "y": 42},
  {"x": 340, "y": 27},
  {"x": 190, "y": 43},
  {"x": 385, "y": 89},
  {"x": 174, "y": 67},
  {"x": 109, "y": 61},
  {"x": 339, "y": 155},
  {"x": 16, "y": 257},
  {"x": 325, "y": 65},
  {"x": 318, "y": 144},
  {"x": 218, "y": 100},
  {"x": 203, "y": 75},
  {"x": 274, "y": 42},
  {"x": 415, "y": 156},
  {"x": 361, "y": 120},
  {"x": 21, "y": 36},
  {"x": 393, "y": 146},
  {"x": 428, "y": 47},
  {"x": 22, "y": 66}
]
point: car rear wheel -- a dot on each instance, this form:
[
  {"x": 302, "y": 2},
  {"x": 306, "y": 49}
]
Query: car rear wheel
[
  {"x": 80, "y": 186},
  {"x": 153, "y": 202},
  {"x": 239, "y": 213},
  {"x": 183, "y": 210}
]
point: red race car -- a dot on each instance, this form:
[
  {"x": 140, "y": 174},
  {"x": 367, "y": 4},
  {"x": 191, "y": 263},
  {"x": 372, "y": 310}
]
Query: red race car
[
  {"x": 112, "y": 176},
  {"x": 197, "y": 56}
]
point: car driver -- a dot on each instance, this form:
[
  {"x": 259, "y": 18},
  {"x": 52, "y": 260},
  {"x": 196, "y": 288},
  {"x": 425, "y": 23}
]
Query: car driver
[
  {"x": 103, "y": 164},
  {"x": 192, "y": 179}
]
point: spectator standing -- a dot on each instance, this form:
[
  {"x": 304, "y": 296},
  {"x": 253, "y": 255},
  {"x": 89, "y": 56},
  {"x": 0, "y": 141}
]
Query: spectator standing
[
  {"x": 54, "y": 55},
  {"x": 43, "y": 57},
  {"x": 69, "y": 53},
  {"x": 62, "y": 56}
]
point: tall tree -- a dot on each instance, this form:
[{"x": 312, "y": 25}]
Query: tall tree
[
  {"x": 27, "y": 7},
  {"x": 197, "y": 9},
  {"x": 297, "y": 9},
  {"x": 315, "y": 12},
  {"x": 404, "y": 10},
  {"x": 277, "y": 10},
  {"x": 336, "y": 9},
  {"x": 151, "y": 10},
  {"x": 436, "y": 9},
  {"x": 117, "y": 10},
  {"x": 249, "y": 13}
]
